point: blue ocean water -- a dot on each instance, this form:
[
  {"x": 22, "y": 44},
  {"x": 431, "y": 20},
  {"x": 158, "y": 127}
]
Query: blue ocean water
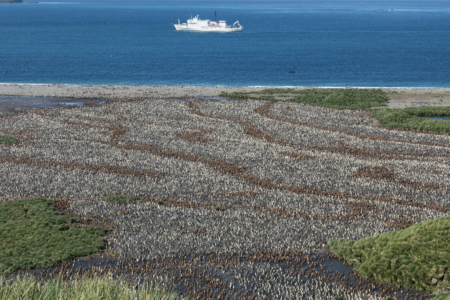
[{"x": 326, "y": 43}]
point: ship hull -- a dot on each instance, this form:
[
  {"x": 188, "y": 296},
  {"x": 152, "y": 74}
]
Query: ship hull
[{"x": 206, "y": 29}]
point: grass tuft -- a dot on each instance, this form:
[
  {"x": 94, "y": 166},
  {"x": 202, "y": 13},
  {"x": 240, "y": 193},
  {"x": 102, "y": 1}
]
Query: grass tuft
[
  {"x": 9, "y": 140},
  {"x": 28, "y": 288},
  {"x": 415, "y": 257},
  {"x": 33, "y": 235},
  {"x": 442, "y": 296},
  {"x": 412, "y": 118},
  {"x": 333, "y": 98}
]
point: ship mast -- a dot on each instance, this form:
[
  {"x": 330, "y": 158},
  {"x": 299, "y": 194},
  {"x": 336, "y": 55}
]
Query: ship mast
[{"x": 215, "y": 14}]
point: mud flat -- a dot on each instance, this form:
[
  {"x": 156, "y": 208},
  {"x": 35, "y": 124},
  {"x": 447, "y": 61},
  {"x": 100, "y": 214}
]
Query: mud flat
[
  {"x": 408, "y": 97},
  {"x": 234, "y": 198}
]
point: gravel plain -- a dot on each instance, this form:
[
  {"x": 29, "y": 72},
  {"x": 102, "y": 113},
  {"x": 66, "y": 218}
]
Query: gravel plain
[{"x": 250, "y": 188}]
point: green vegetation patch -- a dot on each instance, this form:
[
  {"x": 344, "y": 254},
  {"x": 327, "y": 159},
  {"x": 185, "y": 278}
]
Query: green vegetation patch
[
  {"x": 8, "y": 140},
  {"x": 120, "y": 199},
  {"x": 416, "y": 257},
  {"x": 442, "y": 296},
  {"x": 412, "y": 118},
  {"x": 28, "y": 288},
  {"x": 333, "y": 98},
  {"x": 33, "y": 235}
]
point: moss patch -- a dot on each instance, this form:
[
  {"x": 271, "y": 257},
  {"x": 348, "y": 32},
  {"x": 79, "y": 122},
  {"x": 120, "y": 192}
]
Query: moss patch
[
  {"x": 333, "y": 98},
  {"x": 416, "y": 257},
  {"x": 412, "y": 118},
  {"x": 33, "y": 235},
  {"x": 8, "y": 140}
]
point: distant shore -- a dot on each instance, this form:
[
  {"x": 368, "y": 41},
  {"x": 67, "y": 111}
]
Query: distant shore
[{"x": 400, "y": 96}]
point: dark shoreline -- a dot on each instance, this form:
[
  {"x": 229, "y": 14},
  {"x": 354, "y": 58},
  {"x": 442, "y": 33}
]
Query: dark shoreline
[
  {"x": 10, "y": 104},
  {"x": 140, "y": 271}
]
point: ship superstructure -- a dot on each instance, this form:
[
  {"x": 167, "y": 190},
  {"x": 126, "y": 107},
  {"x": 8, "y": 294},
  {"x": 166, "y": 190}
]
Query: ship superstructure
[{"x": 195, "y": 24}]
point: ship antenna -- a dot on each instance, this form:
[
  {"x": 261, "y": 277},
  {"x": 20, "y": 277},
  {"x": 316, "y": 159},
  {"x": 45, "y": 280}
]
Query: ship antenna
[{"x": 215, "y": 14}]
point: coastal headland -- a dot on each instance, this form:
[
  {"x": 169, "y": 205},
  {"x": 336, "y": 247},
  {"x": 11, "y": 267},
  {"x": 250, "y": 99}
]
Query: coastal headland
[{"x": 237, "y": 198}]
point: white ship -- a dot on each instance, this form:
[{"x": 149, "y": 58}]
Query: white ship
[{"x": 195, "y": 24}]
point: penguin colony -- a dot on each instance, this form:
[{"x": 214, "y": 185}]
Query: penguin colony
[{"x": 235, "y": 198}]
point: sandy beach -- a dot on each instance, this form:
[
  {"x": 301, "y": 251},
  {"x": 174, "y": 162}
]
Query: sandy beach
[
  {"x": 400, "y": 97},
  {"x": 234, "y": 194},
  {"x": 114, "y": 91}
]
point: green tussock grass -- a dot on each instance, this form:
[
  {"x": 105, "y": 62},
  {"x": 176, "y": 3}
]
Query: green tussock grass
[
  {"x": 411, "y": 257},
  {"x": 443, "y": 296},
  {"x": 412, "y": 118},
  {"x": 101, "y": 287},
  {"x": 120, "y": 199},
  {"x": 333, "y": 98},
  {"x": 34, "y": 235},
  {"x": 8, "y": 140}
]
